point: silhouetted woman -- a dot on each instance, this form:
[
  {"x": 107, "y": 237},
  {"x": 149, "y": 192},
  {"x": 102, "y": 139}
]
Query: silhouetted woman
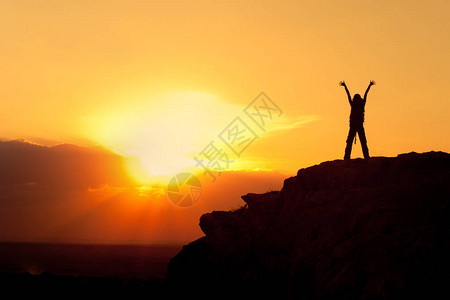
[{"x": 356, "y": 121}]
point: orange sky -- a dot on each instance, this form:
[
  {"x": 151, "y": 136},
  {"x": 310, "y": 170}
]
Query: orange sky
[{"x": 156, "y": 81}]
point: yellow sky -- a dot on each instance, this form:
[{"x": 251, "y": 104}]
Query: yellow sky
[{"x": 132, "y": 74}]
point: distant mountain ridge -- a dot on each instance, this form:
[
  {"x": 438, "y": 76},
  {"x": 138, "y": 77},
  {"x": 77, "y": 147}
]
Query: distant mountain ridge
[{"x": 377, "y": 228}]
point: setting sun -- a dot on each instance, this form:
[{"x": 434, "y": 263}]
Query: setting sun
[{"x": 161, "y": 134}]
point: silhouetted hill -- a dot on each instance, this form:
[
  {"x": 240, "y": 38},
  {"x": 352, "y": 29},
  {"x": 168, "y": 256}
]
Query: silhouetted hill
[{"x": 376, "y": 228}]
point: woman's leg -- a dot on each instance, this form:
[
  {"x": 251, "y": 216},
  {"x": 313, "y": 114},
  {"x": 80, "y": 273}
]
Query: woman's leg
[
  {"x": 350, "y": 137},
  {"x": 362, "y": 138}
]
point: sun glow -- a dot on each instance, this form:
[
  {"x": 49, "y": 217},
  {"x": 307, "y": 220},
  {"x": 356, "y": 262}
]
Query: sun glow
[
  {"x": 160, "y": 137},
  {"x": 152, "y": 191}
]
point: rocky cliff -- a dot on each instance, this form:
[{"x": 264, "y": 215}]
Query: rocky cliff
[{"x": 377, "y": 228}]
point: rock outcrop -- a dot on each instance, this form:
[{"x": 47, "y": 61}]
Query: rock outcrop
[{"x": 377, "y": 228}]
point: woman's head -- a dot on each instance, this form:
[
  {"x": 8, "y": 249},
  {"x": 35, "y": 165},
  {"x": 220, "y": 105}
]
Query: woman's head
[{"x": 357, "y": 97}]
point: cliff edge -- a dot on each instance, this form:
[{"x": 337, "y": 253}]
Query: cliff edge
[{"x": 377, "y": 228}]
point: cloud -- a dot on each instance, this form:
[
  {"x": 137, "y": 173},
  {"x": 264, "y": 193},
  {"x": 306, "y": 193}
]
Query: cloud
[
  {"x": 68, "y": 193},
  {"x": 285, "y": 123},
  {"x": 62, "y": 166}
]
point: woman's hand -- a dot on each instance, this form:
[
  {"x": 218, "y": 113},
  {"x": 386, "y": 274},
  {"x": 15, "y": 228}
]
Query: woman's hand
[{"x": 342, "y": 83}]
